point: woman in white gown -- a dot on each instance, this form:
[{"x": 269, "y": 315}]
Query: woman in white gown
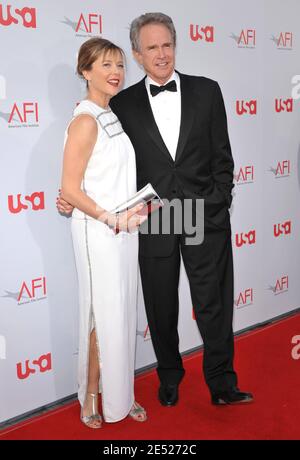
[{"x": 99, "y": 173}]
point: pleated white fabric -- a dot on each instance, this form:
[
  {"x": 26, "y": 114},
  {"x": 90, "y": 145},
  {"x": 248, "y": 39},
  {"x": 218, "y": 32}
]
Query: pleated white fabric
[{"x": 107, "y": 267}]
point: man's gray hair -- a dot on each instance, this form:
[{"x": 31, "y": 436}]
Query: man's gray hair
[{"x": 144, "y": 20}]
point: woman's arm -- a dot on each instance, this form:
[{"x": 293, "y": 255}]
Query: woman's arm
[{"x": 81, "y": 140}]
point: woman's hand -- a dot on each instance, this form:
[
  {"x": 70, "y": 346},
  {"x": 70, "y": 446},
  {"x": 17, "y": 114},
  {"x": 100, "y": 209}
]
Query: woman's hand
[
  {"x": 63, "y": 206},
  {"x": 127, "y": 221}
]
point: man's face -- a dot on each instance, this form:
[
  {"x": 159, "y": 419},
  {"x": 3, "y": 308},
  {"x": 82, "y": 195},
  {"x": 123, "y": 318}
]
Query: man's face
[{"x": 156, "y": 53}]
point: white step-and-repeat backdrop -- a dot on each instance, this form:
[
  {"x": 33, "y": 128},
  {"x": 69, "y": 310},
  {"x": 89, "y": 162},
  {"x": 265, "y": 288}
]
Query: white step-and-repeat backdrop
[{"x": 252, "y": 48}]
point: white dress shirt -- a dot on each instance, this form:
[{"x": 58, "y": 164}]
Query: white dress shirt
[{"x": 166, "y": 108}]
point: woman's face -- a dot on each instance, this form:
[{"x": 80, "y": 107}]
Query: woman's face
[{"x": 106, "y": 76}]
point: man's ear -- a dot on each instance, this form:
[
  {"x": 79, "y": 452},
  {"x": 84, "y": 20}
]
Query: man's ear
[{"x": 137, "y": 56}]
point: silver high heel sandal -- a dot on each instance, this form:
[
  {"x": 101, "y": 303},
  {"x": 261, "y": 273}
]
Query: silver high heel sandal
[
  {"x": 89, "y": 420},
  {"x": 138, "y": 413}
]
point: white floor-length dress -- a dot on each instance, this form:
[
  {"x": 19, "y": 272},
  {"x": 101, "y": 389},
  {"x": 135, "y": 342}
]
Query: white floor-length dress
[{"x": 107, "y": 267}]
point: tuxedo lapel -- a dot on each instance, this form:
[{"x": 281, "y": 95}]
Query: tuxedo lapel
[
  {"x": 187, "y": 115},
  {"x": 147, "y": 119}
]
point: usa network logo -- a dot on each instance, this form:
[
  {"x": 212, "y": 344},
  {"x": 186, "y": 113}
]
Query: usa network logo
[
  {"x": 284, "y": 41},
  {"x": 284, "y": 228},
  {"x": 282, "y": 169},
  {"x": 40, "y": 365},
  {"x": 245, "y": 39},
  {"x": 245, "y": 175},
  {"x": 284, "y": 105},
  {"x": 22, "y": 115},
  {"x": 34, "y": 290},
  {"x": 25, "y": 16},
  {"x": 86, "y": 25},
  {"x": 203, "y": 33},
  {"x": 281, "y": 286},
  {"x": 243, "y": 238},
  {"x": 34, "y": 202},
  {"x": 244, "y": 299},
  {"x": 246, "y": 107}
]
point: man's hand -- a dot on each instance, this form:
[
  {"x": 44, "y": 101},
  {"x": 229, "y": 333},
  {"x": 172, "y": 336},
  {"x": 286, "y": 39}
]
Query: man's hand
[{"x": 63, "y": 206}]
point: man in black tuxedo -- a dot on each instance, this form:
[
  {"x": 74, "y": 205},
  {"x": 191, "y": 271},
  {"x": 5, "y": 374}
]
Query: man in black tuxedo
[
  {"x": 179, "y": 133},
  {"x": 177, "y": 125}
]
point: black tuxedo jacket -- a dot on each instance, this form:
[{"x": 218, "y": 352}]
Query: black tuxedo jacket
[{"x": 203, "y": 166}]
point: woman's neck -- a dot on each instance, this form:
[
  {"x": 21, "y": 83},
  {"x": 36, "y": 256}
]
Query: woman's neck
[{"x": 99, "y": 99}]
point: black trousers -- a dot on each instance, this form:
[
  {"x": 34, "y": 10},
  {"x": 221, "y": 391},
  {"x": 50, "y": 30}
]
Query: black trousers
[{"x": 209, "y": 268}]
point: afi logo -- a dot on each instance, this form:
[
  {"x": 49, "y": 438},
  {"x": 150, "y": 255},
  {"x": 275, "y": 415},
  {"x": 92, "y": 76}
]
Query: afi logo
[
  {"x": 37, "y": 284},
  {"x": 24, "y": 113},
  {"x": 244, "y": 298},
  {"x": 92, "y": 23},
  {"x": 296, "y": 349},
  {"x": 202, "y": 33},
  {"x": 284, "y": 106},
  {"x": 41, "y": 365},
  {"x": 249, "y": 107},
  {"x": 2, "y": 347},
  {"x": 283, "y": 169},
  {"x": 284, "y": 41},
  {"x": 283, "y": 229},
  {"x": 282, "y": 285},
  {"x": 36, "y": 200},
  {"x": 246, "y": 39},
  {"x": 245, "y": 175},
  {"x": 26, "y": 15},
  {"x": 245, "y": 238}
]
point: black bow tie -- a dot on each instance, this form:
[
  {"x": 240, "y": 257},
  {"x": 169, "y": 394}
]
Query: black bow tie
[{"x": 171, "y": 86}]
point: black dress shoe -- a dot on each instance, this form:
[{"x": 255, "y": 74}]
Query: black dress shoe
[
  {"x": 168, "y": 394},
  {"x": 233, "y": 396}
]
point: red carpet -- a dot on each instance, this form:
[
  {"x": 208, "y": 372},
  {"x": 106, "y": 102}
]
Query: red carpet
[{"x": 265, "y": 366}]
